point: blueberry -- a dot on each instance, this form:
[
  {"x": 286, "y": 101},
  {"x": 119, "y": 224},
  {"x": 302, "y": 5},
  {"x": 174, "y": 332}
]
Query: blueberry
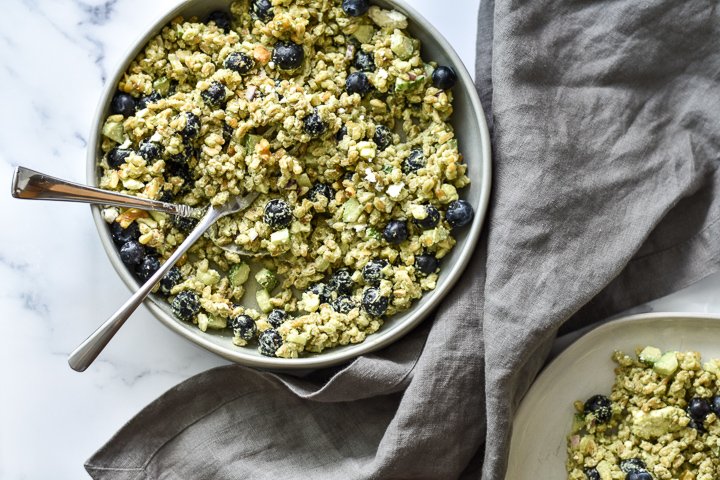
[
  {"x": 154, "y": 97},
  {"x": 382, "y": 137},
  {"x": 227, "y": 134},
  {"x": 122, "y": 104},
  {"x": 343, "y": 304},
  {"x": 632, "y": 465},
  {"x": 432, "y": 218},
  {"x": 122, "y": 235},
  {"x": 357, "y": 82},
  {"x": 214, "y": 95},
  {"x": 591, "y": 473},
  {"x": 341, "y": 281},
  {"x": 641, "y": 475},
  {"x": 184, "y": 224},
  {"x": 414, "y": 162},
  {"x": 716, "y": 405},
  {"x": 321, "y": 290},
  {"x": 364, "y": 61},
  {"x": 132, "y": 253},
  {"x": 288, "y": 55},
  {"x": 262, "y": 10},
  {"x": 372, "y": 271},
  {"x": 277, "y": 317},
  {"x": 191, "y": 130},
  {"x": 147, "y": 268},
  {"x": 270, "y": 340},
  {"x": 150, "y": 150},
  {"x": 167, "y": 196},
  {"x": 698, "y": 409},
  {"x": 277, "y": 214},
  {"x": 171, "y": 278},
  {"x": 313, "y": 124},
  {"x": 395, "y": 232},
  {"x": 459, "y": 213},
  {"x": 373, "y": 303},
  {"x": 426, "y": 264},
  {"x": 117, "y": 156},
  {"x": 239, "y": 62},
  {"x": 222, "y": 20},
  {"x": 321, "y": 189},
  {"x": 697, "y": 425},
  {"x": 600, "y": 406},
  {"x": 355, "y": 8},
  {"x": 178, "y": 169},
  {"x": 243, "y": 326},
  {"x": 185, "y": 305},
  {"x": 341, "y": 133},
  {"x": 444, "y": 78}
]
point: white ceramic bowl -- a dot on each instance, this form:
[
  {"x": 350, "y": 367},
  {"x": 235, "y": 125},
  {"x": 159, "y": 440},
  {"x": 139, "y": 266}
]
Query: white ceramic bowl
[{"x": 474, "y": 141}]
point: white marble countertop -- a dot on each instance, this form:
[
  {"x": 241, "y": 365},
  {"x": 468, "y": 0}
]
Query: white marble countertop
[{"x": 56, "y": 284}]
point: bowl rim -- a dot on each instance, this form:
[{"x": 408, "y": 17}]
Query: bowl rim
[{"x": 329, "y": 357}]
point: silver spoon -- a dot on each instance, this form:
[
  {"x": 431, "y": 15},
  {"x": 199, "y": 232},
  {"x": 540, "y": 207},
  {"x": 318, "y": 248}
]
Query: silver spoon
[
  {"x": 85, "y": 354},
  {"x": 31, "y": 185}
]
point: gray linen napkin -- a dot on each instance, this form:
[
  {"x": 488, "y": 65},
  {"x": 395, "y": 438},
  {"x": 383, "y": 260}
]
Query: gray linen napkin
[{"x": 607, "y": 132}]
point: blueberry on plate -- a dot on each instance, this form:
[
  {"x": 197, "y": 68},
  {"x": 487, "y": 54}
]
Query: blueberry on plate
[
  {"x": 632, "y": 465},
  {"x": 132, "y": 253},
  {"x": 185, "y": 305},
  {"x": 117, "y": 156},
  {"x": 382, "y": 137},
  {"x": 122, "y": 104},
  {"x": 277, "y": 214},
  {"x": 191, "y": 130},
  {"x": 147, "y": 267},
  {"x": 364, "y": 61},
  {"x": 122, "y": 235},
  {"x": 343, "y": 304},
  {"x": 322, "y": 189},
  {"x": 239, "y": 62},
  {"x": 591, "y": 473},
  {"x": 698, "y": 409},
  {"x": 341, "y": 281},
  {"x": 288, "y": 55},
  {"x": 426, "y": 264},
  {"x": 432, "y": 218},
  {"x": 459, "y": 213},
  {"x": 270, "y": 340},
  {"x": 640, "y": 475},
  {"x": 262, "y": 10},
  {"x": 373, "y": 303},
  {"x": 143, "y": 102},
  {"x": 340, "y": 134},
  {"x": 321, "y": 290},
  {"x": 372, "y": 271},
  {"x": 600, "y": 406},
  {"x": 715, "y": 405},
  {"x": 357, "y": 82},
  {"x": 277, "y": 317},
  {"x": 355, "y": 8},
  {"x": 314, "y": 125},
  {"x": 171, "y": 278},
  {"x": 243, "y": 326},
  {"x": 150, "y": 150},
  {"x": 214, "y": 95},
  {"x": 222, "y": 20},
  {"x": 414, "y": 162},
  {"x": 395, "y": 232},
  {"x": 444, "y": 78}
]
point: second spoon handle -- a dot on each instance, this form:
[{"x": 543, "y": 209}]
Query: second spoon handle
[
  {"x": 29, "y": 184},
  {"x": 85, "y": 354}
]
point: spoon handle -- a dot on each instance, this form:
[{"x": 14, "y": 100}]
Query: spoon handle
[
  {"x": 32, "y": 185},
  {"x": 85, "y": 354}
]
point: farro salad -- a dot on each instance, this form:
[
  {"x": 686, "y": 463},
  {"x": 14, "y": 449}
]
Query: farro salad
[
  {"x": 327, "y": 110},
  {"x": 660, "y": 421}
]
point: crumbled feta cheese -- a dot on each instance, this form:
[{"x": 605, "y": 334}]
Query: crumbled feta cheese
[
  {"x": 394, "y": 190},
  {"x": 252, "y": 234},
  {"x": 370, "y": 175}
]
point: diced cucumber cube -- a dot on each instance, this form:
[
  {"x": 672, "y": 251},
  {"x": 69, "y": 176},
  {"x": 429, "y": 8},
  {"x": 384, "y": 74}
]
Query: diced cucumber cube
[
  {"x": 667, "y": 364},
  {"x": 162, "y": 85},
  {"x": 263, "y": 300},
  {"x": 403, "y": 85},
  {"x": 351, "y": 210},
  {"x": 266, "y": 279},
  {"x": 401, "y": 45},
  {"x": 650, "y": 355},
  {"x": 280, "y": 237},
  {"x": 114, "y": 131},
  {"x": 239, "y": 274},
  {"x": 364, "y": 33}
]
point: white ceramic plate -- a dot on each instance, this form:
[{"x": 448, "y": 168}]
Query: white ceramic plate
[{"x": 544, "y": 419}]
